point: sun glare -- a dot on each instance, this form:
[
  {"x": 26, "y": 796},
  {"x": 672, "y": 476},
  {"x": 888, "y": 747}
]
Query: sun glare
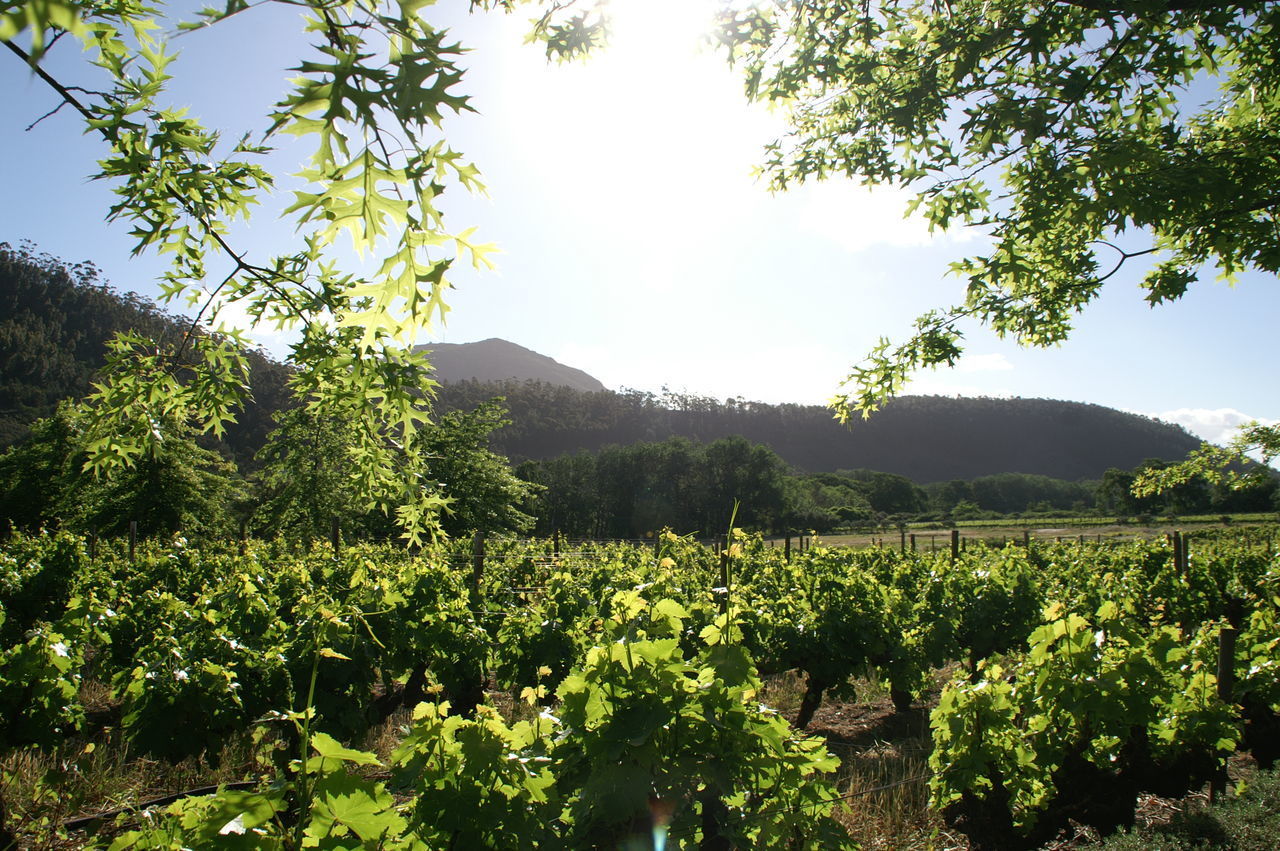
[{"x": 660, "y": 25}]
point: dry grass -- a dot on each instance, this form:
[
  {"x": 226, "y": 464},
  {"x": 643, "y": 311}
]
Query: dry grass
[
  {"x": 884, "y": 770},
  {"x": 86, "y": 777}
]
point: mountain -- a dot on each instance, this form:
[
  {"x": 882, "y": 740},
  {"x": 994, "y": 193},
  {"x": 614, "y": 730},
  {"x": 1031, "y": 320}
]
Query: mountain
[
  {"x": 925, "y": 438},
  {"x": 54, "y": 319},
  {"x": 499, "y": 360}
]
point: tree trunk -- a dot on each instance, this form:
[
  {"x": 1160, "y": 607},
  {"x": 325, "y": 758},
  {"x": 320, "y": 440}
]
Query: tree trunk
[{"x": 812, "y": 699}]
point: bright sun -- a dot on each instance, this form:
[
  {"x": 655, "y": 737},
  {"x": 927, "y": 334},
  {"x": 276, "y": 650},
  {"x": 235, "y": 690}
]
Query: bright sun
[{"x": 660, "y": 25}]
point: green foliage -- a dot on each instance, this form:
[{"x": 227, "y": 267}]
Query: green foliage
[
  {"x": 656, "y": 722},
  {"x": 659, "y": 743},
  {"x": 307, "y": 478},
  {"x": 370, "y": 96},
  {"x": 40, "y": 688},
  {"x": 1057, "y": 127},
  {"x": 633, "y": 491},
  {"x": 1094, "y": 713},
  {"x": 181, "y": 486}
]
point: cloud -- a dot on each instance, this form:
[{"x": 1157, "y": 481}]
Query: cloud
[{"x": 1216, "y": 425}]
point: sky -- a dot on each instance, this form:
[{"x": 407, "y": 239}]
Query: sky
[{"x": 637, "y": 244}]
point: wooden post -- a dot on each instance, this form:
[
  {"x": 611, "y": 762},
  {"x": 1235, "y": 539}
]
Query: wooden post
[
  {"x": 1226, "y": 684},
  {"x": 955, "y": 544},
  {"x": 902, "y": 535},
  {"x": 1026, "y": 538},
  {"x": 555, "y": 543},
  {"x": 477, "y": 568},
  {"x": 786, "y": 549},
  {"x": 133, "y": 538},
  {"x": 1179, "y": 551},
  {"x": 913, "y": 542},
  {"x": 724, "y": 582}
]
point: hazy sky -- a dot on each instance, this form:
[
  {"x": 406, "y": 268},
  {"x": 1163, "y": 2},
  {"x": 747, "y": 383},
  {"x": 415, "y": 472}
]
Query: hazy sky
[{"x": 638, "y": 246}]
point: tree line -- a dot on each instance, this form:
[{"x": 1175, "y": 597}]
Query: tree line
[
  {"x": 673, "y": 460},
  {"x": 634, "y": 490}
]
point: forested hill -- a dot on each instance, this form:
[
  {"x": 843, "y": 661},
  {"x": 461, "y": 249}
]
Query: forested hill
[
  {"x": 925, "y": 438},
  {"x": 55, "y": 318}
]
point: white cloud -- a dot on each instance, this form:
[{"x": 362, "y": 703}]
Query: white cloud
[{"x": 1216, "y": 425}]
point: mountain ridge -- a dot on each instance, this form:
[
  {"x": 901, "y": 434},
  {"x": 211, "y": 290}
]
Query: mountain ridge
[
  {"x": 55, "y": 318},
  {"x": 496, "y": 359}
]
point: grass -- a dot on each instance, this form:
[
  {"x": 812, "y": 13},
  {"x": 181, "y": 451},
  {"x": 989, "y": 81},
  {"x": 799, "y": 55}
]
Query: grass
[
  {"x": 934, "y": 536},
  {"x": 883, "y": 782},
  {"x": 88, "y": 776}
]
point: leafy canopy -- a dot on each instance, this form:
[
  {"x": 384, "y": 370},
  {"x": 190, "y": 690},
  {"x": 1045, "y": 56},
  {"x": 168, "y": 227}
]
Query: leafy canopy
[
  {"x": 1079, "y": 134},
  {"x": 370, "y": 98}
]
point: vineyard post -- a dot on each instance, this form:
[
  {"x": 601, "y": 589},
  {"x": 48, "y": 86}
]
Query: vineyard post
[
  {"x": 724, "y": 582},
  {"x": 555, "y": 542},
  {"x": 1226, "y": 684},
  {"x": 786, "y": 549},
  {"x": 1179, "y": 551},
  {"x": 1026, "y": 538},
  {"x": 477, "y": 568},
  {"x": 913, "y": 542},
  {"x": 902, "y": 535},
  {"x": 133, "y": 538},
  {"x": 955, "y": 544}
]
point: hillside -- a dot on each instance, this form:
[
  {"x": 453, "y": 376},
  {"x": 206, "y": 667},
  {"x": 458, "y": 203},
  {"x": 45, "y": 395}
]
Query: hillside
[
  {"x": 54, "y": 319},
  {"x": 499, "y": 360},
  {"x": 925, "y": 438}
]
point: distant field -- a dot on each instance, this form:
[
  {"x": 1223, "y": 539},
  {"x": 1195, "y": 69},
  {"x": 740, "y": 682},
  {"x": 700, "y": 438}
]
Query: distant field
[{"x": 935, "y": 536}]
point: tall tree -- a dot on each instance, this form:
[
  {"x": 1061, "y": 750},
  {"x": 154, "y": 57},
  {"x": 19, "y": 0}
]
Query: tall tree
[
  {"x": 179, "y": 487},
  {"x": 307, "y": 483}
]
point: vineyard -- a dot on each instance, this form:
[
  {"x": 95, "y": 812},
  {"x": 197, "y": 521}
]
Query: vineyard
[{"x": 615, "y": 695}]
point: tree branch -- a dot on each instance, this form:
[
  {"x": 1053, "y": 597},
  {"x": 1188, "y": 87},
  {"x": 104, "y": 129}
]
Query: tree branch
[{"x": 1118, "y": 7}]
